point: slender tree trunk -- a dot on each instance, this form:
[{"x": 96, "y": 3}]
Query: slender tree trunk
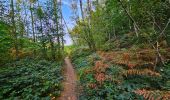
[
  {"x": 86, "y": 28},
  {"x": 52, "y": 49},
  {"x": 25, "y": 18},
  {"x": 32, "y": 22},
  {"x": 114, "y": 32},
  {"x": 89, "y": 27},
  {"x": 43, "y": 43},
  {"x": 33, "y": 30},
  {"x": 14, "y": 31},
  {"x": 136, "y": 27},
  {"x": 62, "y": 32},
  {"x": 55, "y": 4},
  {"x": 44, "y": 52},
  {"x": 97, "y": 1},
  {"x": 81, "y": 8}
]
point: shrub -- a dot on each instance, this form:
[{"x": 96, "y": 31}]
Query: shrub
[
  {"x": 30, "y": 79},
  {"x": 101, "y": 79}
]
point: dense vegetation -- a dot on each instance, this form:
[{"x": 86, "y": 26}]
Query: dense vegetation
[
  {"x": 120, "y": 51},
  {"x": 103, "y": 77},
  {"x": 123, "y": 24},
  {"x": 31, "y": 49},
  {"x": 30, "y": 79},
  {"x": 128, "y": 55},
  {"x": 28, "y": 29}
]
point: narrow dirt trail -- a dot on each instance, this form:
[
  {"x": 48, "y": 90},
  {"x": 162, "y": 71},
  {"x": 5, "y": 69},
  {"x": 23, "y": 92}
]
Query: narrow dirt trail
[{"x": 69, "y": 84}]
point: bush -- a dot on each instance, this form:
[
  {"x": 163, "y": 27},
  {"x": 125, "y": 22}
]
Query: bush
[
  {"x": 82, "y": 57},
  {"x": 103, "y": 80},
  {"x": 5, "y": 43},
  {"x": 28, "y": 79}
]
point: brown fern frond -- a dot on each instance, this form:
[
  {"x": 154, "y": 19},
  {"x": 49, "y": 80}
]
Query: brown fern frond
[
  {"x": 100, "y": 77},
  {"x": 92, "y": 85},
  {"x": 120, "y": 63},
  {"x": 147, "y": 72},
  {"x": 126, "y": 57},
  {"x": 153, "y": 95},
  {"x": 100, "y": 66}
]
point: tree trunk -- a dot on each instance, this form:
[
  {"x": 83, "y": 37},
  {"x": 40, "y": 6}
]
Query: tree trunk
[
  {"x": 32, "y": 22},
  {"x": 43, "y": 43},
  {"x": 62, "y": 32},
  {"x": 52, "y": 49},
  {"x": 81, "y": 8},
  {"x": 55, "y": 2},
  {"x": 136, "y": 27},
  {"x": 14, "y": 31},
  {"x": 25, "y": 19},
  {"x": 90, "y": 36}
]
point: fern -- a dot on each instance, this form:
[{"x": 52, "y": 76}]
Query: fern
[
  {"x": 153, "y": 95},
  {"x": 131, "y": 66},
  {"x": 147, "y": 72},
  {"x": 100, "y": 66},
  {"x": 126, "y": 57},
  {"x": 120, "y": 62},
  {"x": 92, "y": 85},
  {"x": 100, "y": 77}
]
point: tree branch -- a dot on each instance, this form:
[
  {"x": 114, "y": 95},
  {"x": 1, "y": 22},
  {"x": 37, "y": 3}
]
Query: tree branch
[{"x": 131, "y": 18}]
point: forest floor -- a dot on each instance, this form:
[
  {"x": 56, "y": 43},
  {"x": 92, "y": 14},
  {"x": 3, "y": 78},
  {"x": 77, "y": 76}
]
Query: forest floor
[{"x": 69, "y": 84}]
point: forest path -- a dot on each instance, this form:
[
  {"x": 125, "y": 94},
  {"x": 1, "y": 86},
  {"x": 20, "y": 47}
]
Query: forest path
[{"x": 69, "y": 84}]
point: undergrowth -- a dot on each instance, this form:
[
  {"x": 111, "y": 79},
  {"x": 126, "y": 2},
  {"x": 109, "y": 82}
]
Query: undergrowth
[
  {"x": 107, "y": 79},
  {"x": 30, "y": 79}
]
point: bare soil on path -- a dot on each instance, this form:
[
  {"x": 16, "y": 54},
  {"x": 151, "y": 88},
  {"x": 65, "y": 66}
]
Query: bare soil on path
[{"x": 69, "y": 84}]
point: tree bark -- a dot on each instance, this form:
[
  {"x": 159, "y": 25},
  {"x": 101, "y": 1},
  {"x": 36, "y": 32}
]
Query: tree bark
[
  {"x": 32, "y": 22},
  {"x": 136, "y": 27},
  {"x": 14, "y": 31},
  {"x": 90, "y": 36},
  {"x": 62, "y": 32},
  {"x": 55, "y": 2},
  {"x": 81, "y": 8}
]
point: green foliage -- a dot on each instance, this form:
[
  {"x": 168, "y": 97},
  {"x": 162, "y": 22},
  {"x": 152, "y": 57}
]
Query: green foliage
[
  {"x": 114, "y": 22},
  {"x": 80, "y": 52},
  {"x": 5, "y": 42},
  {"x": 30, "y": 79},
  {"x": 28, "y": 45},
  {"x": 69, "y": 49},
  {"x": 83, "y": 57},
  {"x": 40, "y": 13},
  {"x": 111, "y": 89},
  {"x": 166, "y": 76},
  {"x": 115, "y": 86}
]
